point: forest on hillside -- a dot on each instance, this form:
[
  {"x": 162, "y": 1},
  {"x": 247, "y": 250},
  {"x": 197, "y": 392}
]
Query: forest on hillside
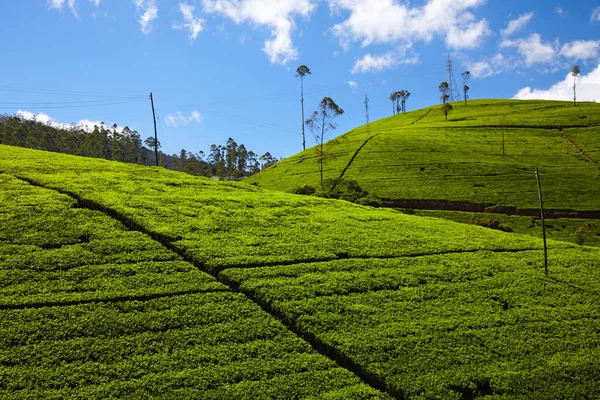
[{"x": 229, "y": 161}]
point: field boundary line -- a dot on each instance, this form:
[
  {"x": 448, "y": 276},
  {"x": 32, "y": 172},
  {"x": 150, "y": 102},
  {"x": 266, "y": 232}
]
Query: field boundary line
[
  {"x": 118, "y": 299},
  {"x": 450, "y": 205},
  {"x": 317, "y": 345},
  {"x": 421, "y": 117},
  {"x": 356, "y": 258},
  {"x": 590, "y": 159},
  {"x": 352, "y": 160}
]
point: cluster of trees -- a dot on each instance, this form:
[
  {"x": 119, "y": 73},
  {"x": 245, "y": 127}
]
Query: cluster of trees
[
  {"x": 231, "y": 161},
  {"x": 398, "y": 100},
  {"x": 445, "y": 89}
]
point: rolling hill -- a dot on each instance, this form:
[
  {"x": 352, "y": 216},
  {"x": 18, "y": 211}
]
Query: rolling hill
[
  {"x": 485, "y": 155},
  {"x": 123, "y": 281}
]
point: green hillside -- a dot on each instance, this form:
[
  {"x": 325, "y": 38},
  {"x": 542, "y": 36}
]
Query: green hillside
[
  {"x": 420, "y": 156},
  {"x": 124, "y": 281}
]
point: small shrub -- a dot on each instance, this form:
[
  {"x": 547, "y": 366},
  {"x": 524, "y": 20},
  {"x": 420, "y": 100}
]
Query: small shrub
[
  {"x": 369, "y": 201},
  {"x": 490, "y": 222},
  {"x": 306, "y": 190}
]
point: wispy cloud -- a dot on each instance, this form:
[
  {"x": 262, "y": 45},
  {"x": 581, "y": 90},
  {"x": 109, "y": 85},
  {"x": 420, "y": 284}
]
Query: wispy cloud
[
  {"x": 533, "y": 49},
  {"x": 595, "y": 15},
  {"x": 149, "y": 13},
  {"x": 389, "y": 60},
  {"x": 190, "y": 23},
  {"x": 178, "y": 118},
  {"x": 581, "y": 49},
  {"x": 277, "y": 15},
  {"x": 59, "y": 4},
  {"x": 517, "y": 24}
]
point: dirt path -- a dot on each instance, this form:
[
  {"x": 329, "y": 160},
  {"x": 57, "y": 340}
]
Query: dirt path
[{"x": 562, "y": 132}]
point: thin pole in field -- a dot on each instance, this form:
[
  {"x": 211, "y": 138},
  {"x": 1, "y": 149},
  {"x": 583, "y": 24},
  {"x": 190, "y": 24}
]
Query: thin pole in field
[
  {"x": 155, "y": 135},
  {"x": 537, "y": 176}
]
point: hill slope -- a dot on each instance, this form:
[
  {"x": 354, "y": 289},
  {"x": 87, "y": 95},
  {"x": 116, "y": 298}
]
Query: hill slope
[
  {"x": 125, "y": 281},
  {"x": 486, "y": 153}
]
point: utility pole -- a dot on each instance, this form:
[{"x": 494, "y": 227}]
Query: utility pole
[
  {"x": 367, "y": 111},
  {"x": 155, "y": 134},
  {"x": 537, "y": 176},
  {"x": 451, "y": 80}
]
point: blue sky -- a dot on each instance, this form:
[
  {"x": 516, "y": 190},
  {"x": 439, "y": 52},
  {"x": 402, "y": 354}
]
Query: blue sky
[{"x": 221, "y": 68}]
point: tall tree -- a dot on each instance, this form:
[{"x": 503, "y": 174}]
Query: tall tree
[
  {"x": 399, "y": 96},
  {"x": 393, "y": 97},
  {"x": 446, "y": 108},
  {"x": 405, "y": 96},
  {"x": 575, "y": 72},
  {"x": 466, "y": 76},
  {"x": 444, "y": 88},
  {"x": 301, "y": 72},
  {"x": 321, "y": 123}
]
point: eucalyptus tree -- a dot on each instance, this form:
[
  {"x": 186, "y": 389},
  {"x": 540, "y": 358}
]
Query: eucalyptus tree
[
  {"x": 301, "y": 72},
  {"x": 466, "y": 76},
  {"x": 393, "y": 97},
  {"x": 405, "y": 96},
  {"x": 399, "y": 96},
  {"x": 575, "y": 72},
  {"x": 446, "y": 108},
  {"x": 321, "y": 123},
  {"x": 444, "y": 88}
]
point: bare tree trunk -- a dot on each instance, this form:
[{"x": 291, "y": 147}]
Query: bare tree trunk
[
  {"x": 574, "y": 92},
  {"x": 302, "y": 102},
  {"x": 321, "y": 154}
]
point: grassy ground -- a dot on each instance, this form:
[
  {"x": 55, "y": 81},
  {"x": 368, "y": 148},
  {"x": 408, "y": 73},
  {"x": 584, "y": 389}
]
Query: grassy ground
[
  {"x": 422, "y": 308},
  {"x": 486, "y": 153}
]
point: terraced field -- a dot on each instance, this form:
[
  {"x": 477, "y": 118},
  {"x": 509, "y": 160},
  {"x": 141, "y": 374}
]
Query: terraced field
[
  {"x": 486, "y": 153},
  {"x": 133, "y": 282}
]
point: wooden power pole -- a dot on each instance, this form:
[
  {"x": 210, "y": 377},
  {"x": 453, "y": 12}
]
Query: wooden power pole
[
  {"x": 155, "y": 135},
  {"x": 537, "y": 176}
]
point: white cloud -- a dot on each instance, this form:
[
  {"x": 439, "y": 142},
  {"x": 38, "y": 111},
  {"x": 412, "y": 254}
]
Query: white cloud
[
  {"x": 596, "y": 15},
  {"x": 518, "y": 24},
  {"x": 193, "y": 24},
  {"x": 179, "y": 118},
  {"x": 387, "y": 21},
  {"x": 277, "y": 15},
  {"x": 85, "y": 124},
  {"x": 59, "y": 4},
  {"x": 95, "y": 2},
  {"x": 468, "y": 37},
  {"x": 533, "y": 49},
  {"x": 487, "y": 68},
  {"x": 588, "y": 89},
  {"x": 581, "y": 49},
  {"x": 389, "y": 60},
  {"x": 150, "y": 13},
  {"x": 559, "y": 10},
  {"x": 352, "y": 84}
]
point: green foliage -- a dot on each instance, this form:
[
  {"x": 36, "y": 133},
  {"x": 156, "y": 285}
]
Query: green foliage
[
  {"x": 490, "y": 222},
  {"x": 417, "y": 155},
  {"x": 90, "y": 309},
  {"x": 431, "y": 308},
  {"x": 306, "y": 190}
]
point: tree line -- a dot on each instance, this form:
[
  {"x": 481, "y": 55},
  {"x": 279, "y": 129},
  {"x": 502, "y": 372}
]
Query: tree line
[{"x": 229, "y": 161}]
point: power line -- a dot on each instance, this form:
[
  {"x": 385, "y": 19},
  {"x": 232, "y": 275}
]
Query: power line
[
  {"x": 80, "y": 105},
  {"x": 63, "y": 92}
]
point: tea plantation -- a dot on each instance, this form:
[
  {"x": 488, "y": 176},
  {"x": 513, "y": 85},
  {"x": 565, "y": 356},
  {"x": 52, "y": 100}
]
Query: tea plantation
[
  {"x": 125, "y": 281},
  {"x": 486, "y": 153}
]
